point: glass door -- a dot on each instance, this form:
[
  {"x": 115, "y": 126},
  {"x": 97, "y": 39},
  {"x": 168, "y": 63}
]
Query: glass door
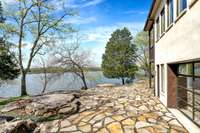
[{"x": 188, "y": 90}]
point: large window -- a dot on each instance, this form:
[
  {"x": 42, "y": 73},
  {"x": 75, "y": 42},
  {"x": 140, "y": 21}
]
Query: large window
[
  {"x": 197, "y": 69},
  {"x": 181, "y": 5},
  {"x": 163, "y": 21},
  {"x": 188, "y": 94},
  {"x": 152, "y": 36},
  {"x": 158, "y": 80},
  {"x": 170, "y": 12},
  {"x": 158, "y": 28},
  {"x": 185, "y": 69},
  {"x": 162, "y": 78}
]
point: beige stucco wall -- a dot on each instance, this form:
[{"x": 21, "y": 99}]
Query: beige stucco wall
[{"x": 180, "y": 43}]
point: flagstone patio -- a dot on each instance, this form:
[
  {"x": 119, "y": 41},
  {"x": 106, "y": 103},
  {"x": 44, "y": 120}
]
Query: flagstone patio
[{"x": 125, "y": 109}]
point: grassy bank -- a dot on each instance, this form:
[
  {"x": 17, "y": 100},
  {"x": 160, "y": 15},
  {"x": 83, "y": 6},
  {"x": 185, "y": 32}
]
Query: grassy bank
[{"x": 9, "y": 100}]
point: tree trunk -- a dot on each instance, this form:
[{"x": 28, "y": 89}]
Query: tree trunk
[
  {"x": 44, "y": 88},
  {"x": 123, "y": 81},
  {"x": 23, "y": 85},
  {"x": 84, "y": 81},
  {"x": 45, "y": 84},
  {"x": 85, "y": 84},
  {"x": 45, "y": 81}
]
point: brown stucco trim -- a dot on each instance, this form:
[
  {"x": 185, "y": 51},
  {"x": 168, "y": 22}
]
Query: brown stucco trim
[
  {"x": 148, "y": 18},
  {"x": 171, "y": 86}
]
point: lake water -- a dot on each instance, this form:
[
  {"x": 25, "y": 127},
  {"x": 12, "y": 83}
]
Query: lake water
[{"x": 67, "y": 81}]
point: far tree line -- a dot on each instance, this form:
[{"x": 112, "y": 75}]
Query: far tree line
[
  {"x": 50, "y": 69},
  {"x": 35, "y": 21}
]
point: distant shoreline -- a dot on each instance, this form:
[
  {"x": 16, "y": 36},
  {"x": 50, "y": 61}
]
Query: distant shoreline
[{"x": 60, "y": 70}]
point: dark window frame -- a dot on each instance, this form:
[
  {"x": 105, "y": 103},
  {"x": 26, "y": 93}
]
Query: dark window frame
[
  {"x": 170, "y": 12},
  {"x": 181, "y": 6},
  {"x": 189, "y": 75},
  {"x": 194, "y": 108},
  {"x": 185, "y": 66},
  {"x": 162, "y": 22},
  {"x": 152, "y": 36},
  {"x": 196, "y": 72},
  {"x": 158, "y": 28}
]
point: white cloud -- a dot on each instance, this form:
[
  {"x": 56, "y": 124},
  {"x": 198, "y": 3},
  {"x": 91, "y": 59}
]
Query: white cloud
[
  {"x": 70, "y": 3},
  {"x": 98, "y": 53},
  {"x": 8, "y": 1},
  {"x": 100, "y": 35},
  {"x": 91, "y": 2},
  {"x": 84, "y": 3},
  {"x": 80, "y": 20}
]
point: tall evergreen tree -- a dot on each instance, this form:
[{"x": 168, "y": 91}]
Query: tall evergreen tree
[
  {"x": 8, "y": 67},
  {"x": 120, "y": 56}
]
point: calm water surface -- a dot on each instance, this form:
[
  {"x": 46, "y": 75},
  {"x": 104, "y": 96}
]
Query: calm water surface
[{"x": 67, "y": 81}]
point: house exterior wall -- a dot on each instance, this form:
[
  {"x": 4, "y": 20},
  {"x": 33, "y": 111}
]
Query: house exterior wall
[{"x": 180, "y": 42}]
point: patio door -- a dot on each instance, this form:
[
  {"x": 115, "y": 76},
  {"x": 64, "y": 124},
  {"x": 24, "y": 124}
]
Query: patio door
[{"x": 188, "y": 90}]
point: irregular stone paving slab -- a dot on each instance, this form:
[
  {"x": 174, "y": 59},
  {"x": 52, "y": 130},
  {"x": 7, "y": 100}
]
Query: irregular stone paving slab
[
  {"x": 124, "y": 109},
  {"x": 128, "y": 122},
  {"x": 115, "y": 127}
]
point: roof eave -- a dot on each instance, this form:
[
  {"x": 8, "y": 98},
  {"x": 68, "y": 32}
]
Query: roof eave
[{"x": 150, "y": 18}]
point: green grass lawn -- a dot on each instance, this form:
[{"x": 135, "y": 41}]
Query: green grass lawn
[{"x": 4, "y": 102}]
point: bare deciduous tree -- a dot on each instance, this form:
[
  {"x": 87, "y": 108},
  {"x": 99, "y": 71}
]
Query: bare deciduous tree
[
  {"x": 45, "y": 76},
  {"x": 35, "y": 21},
  {"x": 75, "y": 59},
  {"x": 142, "y": 43}
]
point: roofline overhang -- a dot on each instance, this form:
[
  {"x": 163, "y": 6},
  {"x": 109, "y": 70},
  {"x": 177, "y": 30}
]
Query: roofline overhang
[{"x": 151, "y": 15}]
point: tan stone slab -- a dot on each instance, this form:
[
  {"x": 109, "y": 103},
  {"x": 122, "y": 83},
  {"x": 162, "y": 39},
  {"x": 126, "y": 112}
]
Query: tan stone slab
[
  {"x": 128, "y": 122},
  {"x": 129, "y": 129},
  {"x": 85, "y": 128},
  {"x": 68, "y": 129},
  {"x": 103, "y": 130},
  {"x": 118, "y": 117},
  {"x": 105, "y": 85},
  {"x": 115, "y": 127}
]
